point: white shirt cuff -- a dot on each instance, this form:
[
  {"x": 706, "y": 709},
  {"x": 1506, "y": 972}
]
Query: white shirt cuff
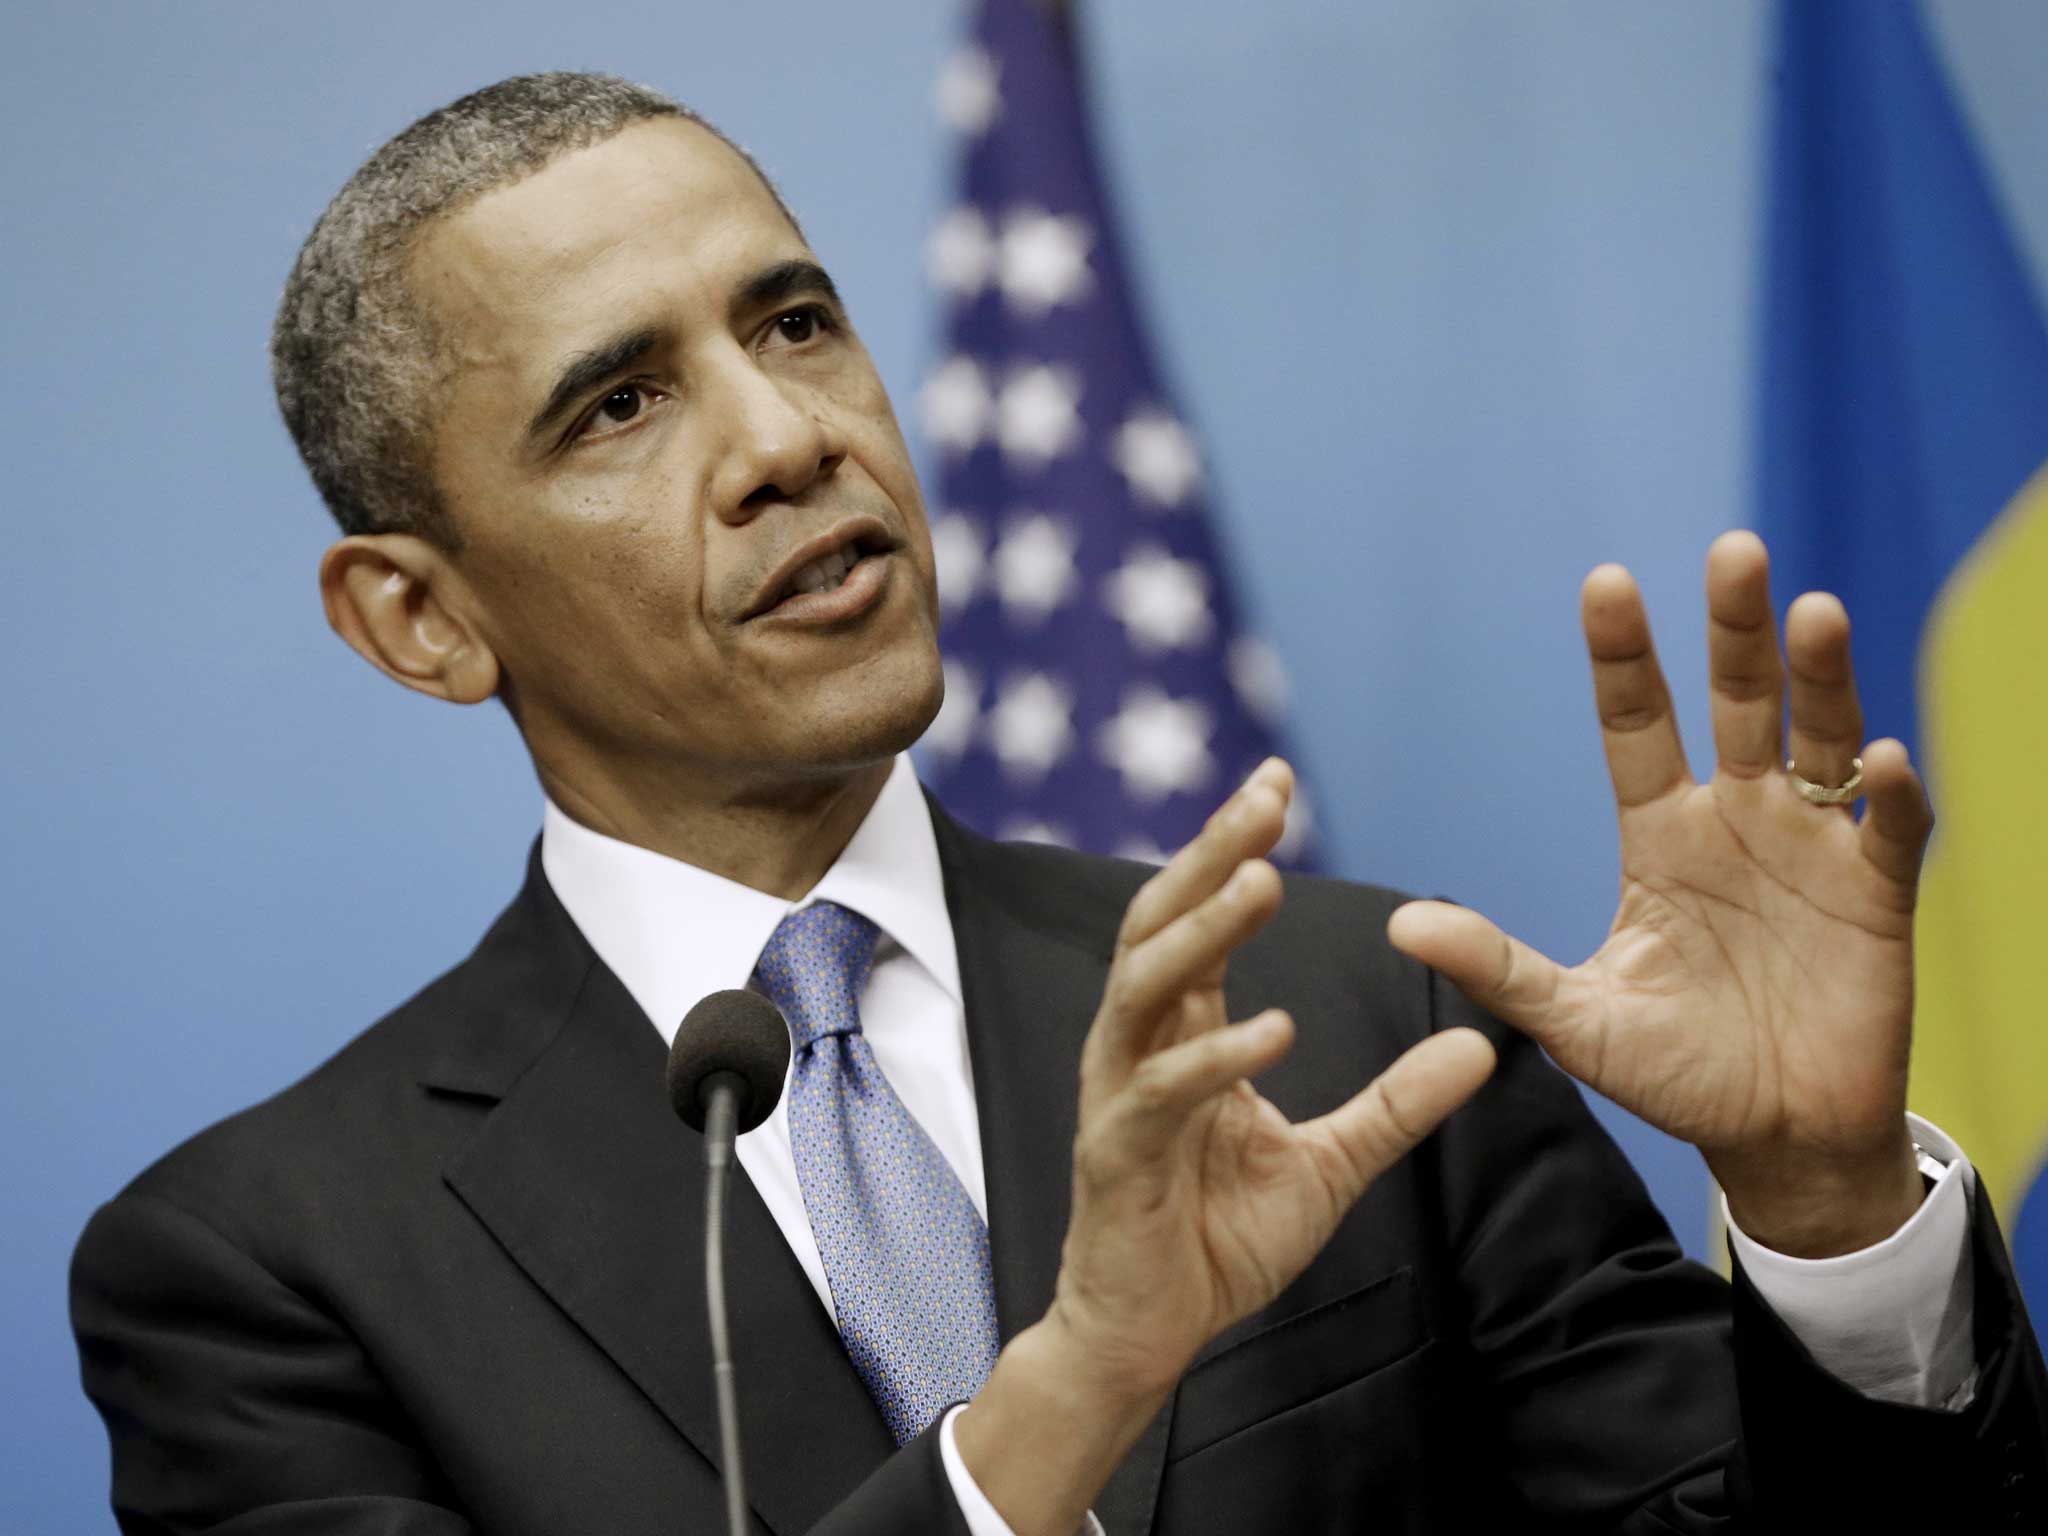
[
  {"x": 982, "y": 1519},
  {"x": 1893, "y": 1320}
]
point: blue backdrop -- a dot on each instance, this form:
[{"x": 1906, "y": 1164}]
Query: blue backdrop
[{"x": 1459, "y": 294}]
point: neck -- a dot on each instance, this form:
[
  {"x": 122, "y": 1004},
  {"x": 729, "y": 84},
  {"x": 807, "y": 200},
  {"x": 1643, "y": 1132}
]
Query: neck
[{"x": 780, "y": 838}]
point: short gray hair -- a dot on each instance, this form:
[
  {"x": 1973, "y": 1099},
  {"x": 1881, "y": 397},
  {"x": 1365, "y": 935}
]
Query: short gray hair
[{"x": 353, "y": 352}]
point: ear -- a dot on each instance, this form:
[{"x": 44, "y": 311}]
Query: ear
[{"x": 400, "y": 604}]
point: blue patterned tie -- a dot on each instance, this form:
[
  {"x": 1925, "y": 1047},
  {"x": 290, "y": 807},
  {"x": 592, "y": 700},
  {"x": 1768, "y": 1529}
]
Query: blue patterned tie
[{"x": 905, "y": 1251}]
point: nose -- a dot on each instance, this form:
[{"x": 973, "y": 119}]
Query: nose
[{"x": 777, "y": 445}]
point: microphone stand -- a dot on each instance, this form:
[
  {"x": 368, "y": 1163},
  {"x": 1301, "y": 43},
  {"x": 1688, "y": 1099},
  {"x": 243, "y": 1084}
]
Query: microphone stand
[{"x": 720, "y": 1094}]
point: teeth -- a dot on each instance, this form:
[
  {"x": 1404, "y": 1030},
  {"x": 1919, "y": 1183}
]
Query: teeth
[{"x": 824, "y": 573}]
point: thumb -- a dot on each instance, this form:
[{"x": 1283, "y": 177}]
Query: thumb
[
  {"x": 1382, "y": 1122},
  {"x": 1502, "y": 975}
]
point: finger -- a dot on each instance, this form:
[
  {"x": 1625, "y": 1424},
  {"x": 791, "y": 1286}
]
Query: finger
[
  {"x": 1827, "y": 719},
  {"x": 1192, "y": 949},
  {"x": 1896, "y": 817},
  {"x": 1168, "y": 1086},
  {"x": 1644, "y": 755},
  {"x": 1746, "y": 677},
  {"x": 1380, "y": 1124},
  {"x": 1246, "y": 826},
  {"x": 1502, "y": 975}
]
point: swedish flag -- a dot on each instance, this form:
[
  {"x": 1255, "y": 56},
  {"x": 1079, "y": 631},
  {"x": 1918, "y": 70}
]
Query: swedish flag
[{"x": 1904, "y": 465}]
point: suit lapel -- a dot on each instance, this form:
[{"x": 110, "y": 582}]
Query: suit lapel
[
  {"x": 1032, "y": 967},
  {"x": 596, "y": 1190}
]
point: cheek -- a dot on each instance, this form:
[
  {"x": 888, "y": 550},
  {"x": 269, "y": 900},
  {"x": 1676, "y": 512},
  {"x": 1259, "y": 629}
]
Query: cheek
[
  {"x": 884, "y": 454},
  {"x": 596, "y": 590},
  {"x": 880, "y": 416}
]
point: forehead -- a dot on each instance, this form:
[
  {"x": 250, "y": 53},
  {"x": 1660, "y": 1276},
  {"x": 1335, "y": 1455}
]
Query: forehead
[{"x": 663, "y": 214}]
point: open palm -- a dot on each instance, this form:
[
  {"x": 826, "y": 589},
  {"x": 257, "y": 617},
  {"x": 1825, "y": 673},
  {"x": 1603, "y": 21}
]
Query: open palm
[
  {"x": 1754, "y": 995},
  {"x": 1195, "y": 1200}
]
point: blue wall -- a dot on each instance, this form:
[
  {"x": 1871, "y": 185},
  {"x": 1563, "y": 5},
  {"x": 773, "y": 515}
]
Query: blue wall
[{"x": 1460, "y": 294}]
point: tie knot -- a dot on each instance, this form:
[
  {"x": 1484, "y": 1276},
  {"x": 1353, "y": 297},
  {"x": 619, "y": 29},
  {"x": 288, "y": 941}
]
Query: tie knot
[{"x": 814, "y": 968}]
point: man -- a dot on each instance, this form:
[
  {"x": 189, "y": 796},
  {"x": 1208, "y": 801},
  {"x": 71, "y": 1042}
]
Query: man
[{"x": 604, "y": 445}]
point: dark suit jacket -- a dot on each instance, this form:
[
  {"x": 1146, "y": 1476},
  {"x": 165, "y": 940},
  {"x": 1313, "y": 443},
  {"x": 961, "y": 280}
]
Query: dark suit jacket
[{"x": 452, "y": 1282}]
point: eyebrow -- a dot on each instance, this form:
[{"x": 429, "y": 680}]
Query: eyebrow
[
  {"x": 784, "y": 281},
  {"x": 586, "y": 370},
  {"x": 772, "y": 285}
]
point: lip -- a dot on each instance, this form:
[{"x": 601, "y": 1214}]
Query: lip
[
  {"x": 862, "y": 585},
  {"x": 860, "y": 591}
]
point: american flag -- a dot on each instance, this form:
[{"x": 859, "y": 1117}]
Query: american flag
[{"x": 1100, "y": 691}]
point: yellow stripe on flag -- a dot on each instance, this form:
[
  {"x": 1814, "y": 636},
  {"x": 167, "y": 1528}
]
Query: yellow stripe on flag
[{"x": 1980, "y": 1049}]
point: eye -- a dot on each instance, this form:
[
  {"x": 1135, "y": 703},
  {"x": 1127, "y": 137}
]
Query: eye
[
  {"x": 623, "y": 406},
  {"x": 798, "y": 326}
]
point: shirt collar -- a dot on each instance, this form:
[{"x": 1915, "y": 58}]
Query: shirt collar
[{"x": 672, "y": 932}]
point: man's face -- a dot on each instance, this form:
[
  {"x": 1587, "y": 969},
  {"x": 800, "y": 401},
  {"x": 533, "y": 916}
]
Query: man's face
[{"x": 657, "y": 420}]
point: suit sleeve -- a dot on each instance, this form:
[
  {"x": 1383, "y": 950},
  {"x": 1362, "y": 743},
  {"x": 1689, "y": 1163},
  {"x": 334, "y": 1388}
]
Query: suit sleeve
[
  {"x": 237, "y": 1407},
  {"x": 907, "y": 1495},
  {"x": 1808, "y": 1437},
  {"x": 232, "y": 1404},
  {"x": 1627, "y": 1393}
]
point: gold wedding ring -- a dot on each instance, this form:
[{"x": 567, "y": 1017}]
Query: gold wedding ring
[{"x": 1820, "y": 794}]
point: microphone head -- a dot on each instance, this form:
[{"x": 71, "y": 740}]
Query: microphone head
[{"x": 739, "y": 1032}]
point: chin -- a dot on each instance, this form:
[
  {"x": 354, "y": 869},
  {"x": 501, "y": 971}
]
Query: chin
[{"x": 871, "y": 716}]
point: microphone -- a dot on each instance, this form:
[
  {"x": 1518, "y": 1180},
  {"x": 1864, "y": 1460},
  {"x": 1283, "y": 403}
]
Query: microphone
[
  {"x": 724, "y": 1075},
  {"x": 733, "y": 1040}
]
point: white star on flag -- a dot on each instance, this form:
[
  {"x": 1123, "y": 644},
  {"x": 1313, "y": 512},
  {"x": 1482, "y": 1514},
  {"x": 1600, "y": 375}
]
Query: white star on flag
[
  {"x": 1043, "y": 260},
  {"x": 959, "y": 554},
  {"x": 961, "y": 252},
  {"x": 1163, "y": 602},
  {"x": 967, "y": 97},
  {"x": 1158, "y": 458},
  {"x": 1083, "y": 594},
  {"x": 1142, "y": 849},
  {"x": 1034, "y": 566},
  {"x": 956, "y": 404},
  {"x": 953, "y": 730},
  {"x": 1257, "y": 675},
  {"x": 1032, "y": 725},
  {"x": 1026, "y": 830},
  {"x": 1159, "y": 744},
  {"x": 1038, "y": 414}
]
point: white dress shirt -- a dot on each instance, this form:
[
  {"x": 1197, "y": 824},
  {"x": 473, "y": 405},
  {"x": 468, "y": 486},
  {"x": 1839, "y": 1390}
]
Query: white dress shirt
[
  {"x": 1892, "y": 1321},
  {"x": 672, "y": 933}
]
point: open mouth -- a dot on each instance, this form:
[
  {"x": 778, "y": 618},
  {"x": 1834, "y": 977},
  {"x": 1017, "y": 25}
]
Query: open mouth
[
  {"x": 830, "y": 570},
  {"x": 841, "y": 570}
]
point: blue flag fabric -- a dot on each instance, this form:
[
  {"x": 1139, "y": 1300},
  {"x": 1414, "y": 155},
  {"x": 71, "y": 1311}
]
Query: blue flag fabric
[
  {"x": 1904, "y": 466},
  {"x": 1905, "y": 377},
  {"x": 1100, "y": 691}
]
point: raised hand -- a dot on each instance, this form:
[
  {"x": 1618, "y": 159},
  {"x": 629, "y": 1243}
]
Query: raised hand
[
  {"x": 1195, "y": 1200},
  {"x": 1755, "y": 993}
]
